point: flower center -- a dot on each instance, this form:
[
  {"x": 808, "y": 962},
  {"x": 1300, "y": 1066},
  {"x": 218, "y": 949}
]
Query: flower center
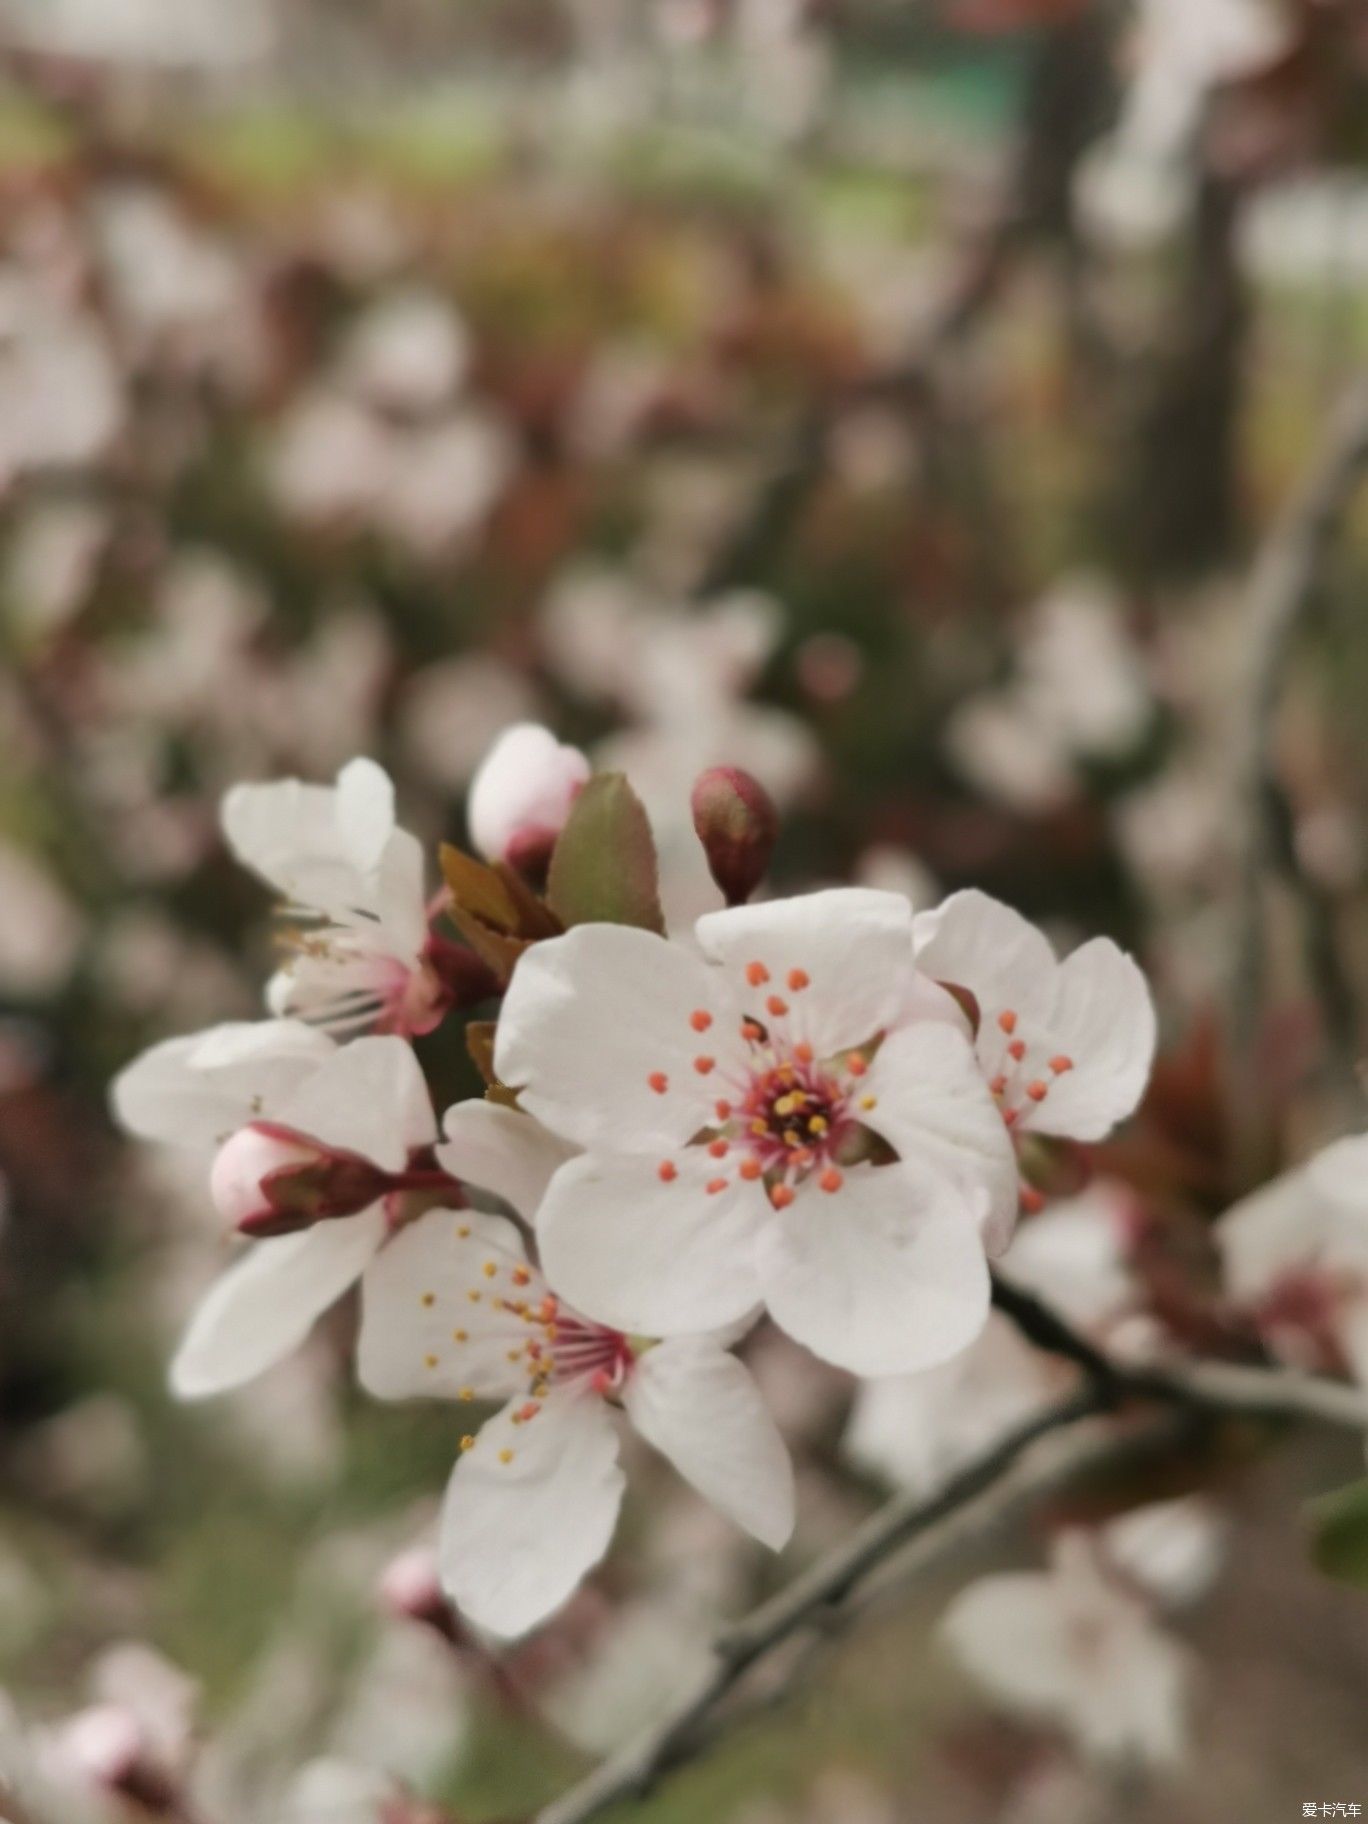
[{"x": 1025, "y": 1065}]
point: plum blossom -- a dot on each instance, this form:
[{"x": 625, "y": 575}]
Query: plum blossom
[
  {"x": 1078, "y": 1645},
  {"x": 408, "y": 353},
  {"x": 453, "y": 1308},
  {"x": 1066, "y": 1047},
  {"x": 361, "y": 953},
  {"x": 916, "y": 1430},
  {"x": 1295, "y": 1257},
  {"x": 1079, "y": 695},
  {"x": 312, "y": 1146},
  {"x": 765, "y": 1122},
  {"x": 522, "y": 795}
]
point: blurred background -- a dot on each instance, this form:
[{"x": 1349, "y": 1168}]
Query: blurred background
[{"x": 890, "y": 396}]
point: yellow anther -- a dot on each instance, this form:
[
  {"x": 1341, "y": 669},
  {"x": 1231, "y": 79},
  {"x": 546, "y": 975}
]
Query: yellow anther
[
  {"x": 818, "y": 1124},
  {"x": 791, "y": 1138},
  {"x": 429, "y": 1300},
  {"x": 463, "y": 1231},
  {"x": 460, "y": 1336},
  {"x": 474, "y": 1296},
  {"x": 868, "y": 1102},
  {"x": 430, "y": 1361},
  {"x": 467, "y": 1393},
  {"x": 505, "y": 1456},
  {"x": 489, "y": 1269},
  {"x": 515, "y": 1355},
  {"x": 467, "y": 1442}
]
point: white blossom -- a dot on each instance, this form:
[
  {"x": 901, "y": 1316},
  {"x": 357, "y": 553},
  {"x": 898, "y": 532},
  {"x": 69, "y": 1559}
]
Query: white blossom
[
  {"x": 453, "y": 1308},
  {"x": 732, "y": 1107}
]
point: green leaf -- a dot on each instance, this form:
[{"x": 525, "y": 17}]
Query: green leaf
[
  {"x": 604, "y": 868},
  {"x": 1339, "y": 1545}
]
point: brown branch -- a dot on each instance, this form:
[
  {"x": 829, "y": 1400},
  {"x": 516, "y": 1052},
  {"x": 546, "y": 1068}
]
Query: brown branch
[
  {"x": 816, "y": 1594},
  {"x": 839, "y": 1586}
]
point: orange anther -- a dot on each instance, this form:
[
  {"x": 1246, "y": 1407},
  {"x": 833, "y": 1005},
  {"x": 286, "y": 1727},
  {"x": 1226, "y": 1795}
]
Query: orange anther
[
  {"x": 716, "y": 1186},
  {"x": 667, "y": 1171},
  {"x": 602, "y": 1381},
  {"x": 798, "y": 979},
  {"x": 1017, "y": 1049},
  {"x": 781, "y": 1196},
  {"x": 998, "y": 1085},
  {"x": 521, "y": 1276},
  {"x": 776, "y": 1006},
  {"x": 831, "y": 1179},
  {"x": 750, "y": 1031},
  {"x": 722, "y": 1110},
  {"x": 704, "y": 1065},
  {"x": 1037, "y": 1090},
  {"x": 718, "y": 1149},
  {"x": 1060, "y": 1064},
  {"x": 757, "y": 974},
  {"x": 1008, "y": 1021},
  {"x": 1032, "y": 1200},
  {"x": 700, "y": 1019},
  {"x": 803, "y": 1052},
  {"x": 658, "y": 1081},
  {"x": 527, "y": 1411},
  {"x": 750, "y": 1170},
  {"x": 856, "y": 1065}
]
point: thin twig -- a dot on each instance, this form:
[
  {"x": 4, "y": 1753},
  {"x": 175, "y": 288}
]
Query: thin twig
[
  {"x": 829, "y": 1593},
  {"x": 1283, "y": 589},
  {"x": 802, "y": 1604},
  {"x": 1219, "y": 1388}
]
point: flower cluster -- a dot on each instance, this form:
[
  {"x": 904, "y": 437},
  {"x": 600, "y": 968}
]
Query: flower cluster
[{"x": 816, "y": 1108}]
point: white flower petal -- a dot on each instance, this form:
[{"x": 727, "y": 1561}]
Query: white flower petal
[
  {"x": 1173, "y": 1549},
  {"x": 978, "y": 943},
  {"x": 371, "y": 1098},
  {"x": 1102, "y": 1016},
  {"x": 364, "y": 811},
  {"x": 852, "y": 945},
  {"x": 195, "y": 1091},
  {"x": 501, "y": 1150},
  {"x": 286, "y": 832},
  {"x": 593, "y": 1018},
  {"x": 519, "y": 1536},
  {"x": 1069, "y": 1647},
  {"x": 700, "y": 1408},
  {"x": 422, "y": 1334},
  {"x": 650, "y": 1257},
  {"x": 885, "y": 1276},
  {"x": 1340, "y": 1172},
  {"x": 265, "y": 1305},
  {"x": 400, "y": 902},
  {"x": 934, "y": 1108}
]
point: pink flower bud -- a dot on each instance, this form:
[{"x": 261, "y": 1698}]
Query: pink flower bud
[
  {"x": 268, "y": 1180},
  {"x": 522, "y": 795},
  {"x": 411, "y": 1587},
  {"x": 738, "y": 826},
  {"x": 107, "y": 1748}
]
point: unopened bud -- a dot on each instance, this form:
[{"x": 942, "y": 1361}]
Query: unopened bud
[
  {"x": 411, "y": 1587},
  {"x": 738, "y": 825},
  {"x": 107, "y": 1747},
  {"x": 522, "y": 795},
  {"x": 268, "y": 1180}
]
